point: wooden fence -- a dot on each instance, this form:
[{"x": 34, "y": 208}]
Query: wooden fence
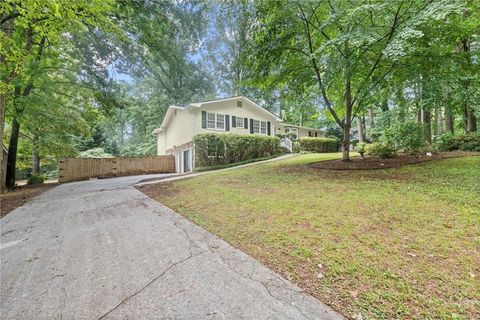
[{"x": 74, "y": 169}]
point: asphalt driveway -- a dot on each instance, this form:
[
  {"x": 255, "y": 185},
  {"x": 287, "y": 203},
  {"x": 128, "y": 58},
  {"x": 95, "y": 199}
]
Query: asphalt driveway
[{"x": 103, "y": 250}]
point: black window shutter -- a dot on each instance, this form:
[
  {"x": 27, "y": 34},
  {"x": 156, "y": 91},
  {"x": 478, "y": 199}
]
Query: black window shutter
[
  {"x": 227, "y": 123},
  {"x": 251, "y": 125},
  {"x": 234, "y": 122},
  {"x": 204, "y": 119},
  {"x": 245, "y": 123},
  {"x": 269, "y": 128}
]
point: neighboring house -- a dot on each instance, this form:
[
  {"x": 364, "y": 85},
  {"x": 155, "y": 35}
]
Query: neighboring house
[{"x": 237, "y": 115}]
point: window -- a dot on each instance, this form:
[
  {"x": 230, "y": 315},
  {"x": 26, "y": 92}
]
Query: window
[
  {"x": 263, "y": 128},
  {"x": 287, "y": 130},
  {"x": 215, "y": 121},
  {"x": 239, "y": 122},
  {"x": 211, "y": 120},
  {"x": 221, "y": 121},
  {"x": 256, "y": 126}
]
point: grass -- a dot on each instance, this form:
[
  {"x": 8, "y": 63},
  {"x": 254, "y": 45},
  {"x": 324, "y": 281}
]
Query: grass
[{"x": 394, "y": 243}]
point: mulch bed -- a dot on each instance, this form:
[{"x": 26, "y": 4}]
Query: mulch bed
[
  {"x": 371, "y": 163},
  {"x": 19, "y": 196}
]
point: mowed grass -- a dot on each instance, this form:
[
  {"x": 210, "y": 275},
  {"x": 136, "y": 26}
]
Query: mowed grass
[{"x": 395, "y": 243}]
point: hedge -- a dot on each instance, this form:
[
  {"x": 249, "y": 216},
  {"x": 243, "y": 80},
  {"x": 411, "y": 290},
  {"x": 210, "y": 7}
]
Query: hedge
[
  {"x": 317, "y": 144},
  {"x": 217, "y": 148},
  {"x": 464, "y": 142}
]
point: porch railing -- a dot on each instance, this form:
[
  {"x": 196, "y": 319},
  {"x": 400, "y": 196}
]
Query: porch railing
[{"x": 287, "y": 144}]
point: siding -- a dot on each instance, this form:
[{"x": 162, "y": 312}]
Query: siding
[
  {"x": 230, "y": 108},
  {"x": 302, "y": 132},
  {"x": 179, "y": 130},
  {"x": 161, "y": 143}
]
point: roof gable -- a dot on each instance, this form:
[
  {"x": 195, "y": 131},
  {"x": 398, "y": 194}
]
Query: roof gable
[{"x": 237, "y": 98}]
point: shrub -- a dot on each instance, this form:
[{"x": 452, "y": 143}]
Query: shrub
[
  {"x": 36, "y": 179},
  {"x": 216, "y": 148},
  {"x": 380, "y": 149},
  {"x": 318, "y": 144},
  {"x": 52, "y": 174},
  {"x": 360, "y": 148},
  {"x": 94, "y": 153},
  {"x": 464, "y": 142},
  {"x": 407, "y": 136},
  {"x": 296, "y": 147}
]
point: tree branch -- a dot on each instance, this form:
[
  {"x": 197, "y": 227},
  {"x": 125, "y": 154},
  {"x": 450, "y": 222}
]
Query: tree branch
[
  {"x": 380, "y": 55},
  {"x": 317, "y": 71}
]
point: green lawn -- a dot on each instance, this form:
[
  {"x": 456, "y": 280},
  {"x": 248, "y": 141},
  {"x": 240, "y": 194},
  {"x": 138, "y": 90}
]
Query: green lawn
[{"x": 394, "y": 243}]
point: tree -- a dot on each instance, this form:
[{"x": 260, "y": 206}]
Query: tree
[
  {"x": 226, "y": 45},
  {"x": 31, "y": 48},
  {"x": 346, "y": 48}
]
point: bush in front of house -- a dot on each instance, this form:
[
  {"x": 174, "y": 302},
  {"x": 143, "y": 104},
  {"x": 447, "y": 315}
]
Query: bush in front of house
[
  {"x": 36, "y": 178},
  {"x": 320, "y": 145},
  {"x": 381, "y": 150},
  {"x": 216, "y": 148},
  {"x": 463, "y": 142}
]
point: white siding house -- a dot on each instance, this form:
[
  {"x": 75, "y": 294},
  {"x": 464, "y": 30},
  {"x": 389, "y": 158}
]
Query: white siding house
[{"x": 237, "y": 115}]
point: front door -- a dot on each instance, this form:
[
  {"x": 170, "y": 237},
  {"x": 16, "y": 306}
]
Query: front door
[{"x": 187, "y": 161}]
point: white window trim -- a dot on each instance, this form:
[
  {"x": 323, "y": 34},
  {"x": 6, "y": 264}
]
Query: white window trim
[
  {"x": 263, "y": 125},
  {"x": 217, "y": 116},
  {"x": 242, "y": 124},
  {"x": 253, "y": 124}
]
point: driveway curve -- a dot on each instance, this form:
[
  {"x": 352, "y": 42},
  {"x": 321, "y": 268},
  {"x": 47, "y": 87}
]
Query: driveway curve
[{"x": 103, "y": 250}]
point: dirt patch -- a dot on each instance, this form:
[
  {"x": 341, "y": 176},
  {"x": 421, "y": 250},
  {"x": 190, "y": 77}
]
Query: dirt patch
[
  {"x": 154, "y": 190},
  {"x": 372, "y": 163},
  {"x": 19, "y": 196}
]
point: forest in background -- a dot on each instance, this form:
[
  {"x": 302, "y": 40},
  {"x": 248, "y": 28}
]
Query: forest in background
[{"x": 93, "y": 78}]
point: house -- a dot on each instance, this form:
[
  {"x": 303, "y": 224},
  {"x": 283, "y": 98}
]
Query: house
[{"x": 238, "y": 115}]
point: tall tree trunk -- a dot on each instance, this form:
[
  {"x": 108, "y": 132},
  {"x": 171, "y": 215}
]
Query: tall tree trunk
[
  {"x": 2, "y": 129},
  {"x": 370, "y": 119},
  {"x": 360, "y": 129},
  {"x": 348, "y": 121},
  {"x": 418, "y": 116},
  {"x": 465, "y": 117},
  {"x": 12, "y": 154},
  {"x": 471, "y": 121},
  {"x": 448, "y": 120},
  {"x": 346, "y": 142},
  {"x": 3, "y": 104},
  {"x": 35, "y": 157},
  {"x": 427, "y": 126},
  {"x": 35, "y": 162},
  {"x": 439, "y": 120}
]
